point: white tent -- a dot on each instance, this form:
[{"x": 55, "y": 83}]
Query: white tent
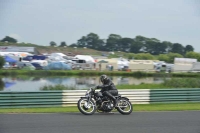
[
  {"x": 57, "y": 57},
  {"x": 41, "y": 62},
  {"x": 58, "y": 54},
  {"x": 184, "y": 61},
  {"x": 87, "y": 58},
  {"x": 122, "y": 63}
]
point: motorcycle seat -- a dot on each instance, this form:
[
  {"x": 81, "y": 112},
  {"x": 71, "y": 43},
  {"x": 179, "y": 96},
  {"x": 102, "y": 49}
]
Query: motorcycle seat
[{"x": 118, "y": 95}]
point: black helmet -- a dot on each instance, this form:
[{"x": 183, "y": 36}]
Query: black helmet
[{"x": 104, "y": 79}]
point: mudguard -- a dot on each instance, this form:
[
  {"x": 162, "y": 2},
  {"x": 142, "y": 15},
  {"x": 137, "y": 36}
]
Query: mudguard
[
  {"x": 125, "y": 98},
  {"x": 83, "y": 97}
]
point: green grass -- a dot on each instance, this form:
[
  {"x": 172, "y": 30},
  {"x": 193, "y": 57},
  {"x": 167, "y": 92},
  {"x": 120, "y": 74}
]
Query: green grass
[
  {"x": 136, "y": 107},
  {"x": 167, "y": 84},
  {"x": 167, "y": 107},
  {"x": 40, "y": 110},
  {"x": 125, "y": 86},
  {"x": 142, "y": 86},
  {"x": 57, "y": 87},
  {"x": 182, "y": 83},
  {"x": 138, "y": 74},
  {"x": 15, "y": 72}
]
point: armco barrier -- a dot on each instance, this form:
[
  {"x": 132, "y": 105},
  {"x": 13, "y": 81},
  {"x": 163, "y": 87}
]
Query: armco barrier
[
  {"x": 175, "y": 95},
  {"x": 30, "y": 99},
  {"x": 136, "y": 96},
  {"x": 70, "y": 97}
]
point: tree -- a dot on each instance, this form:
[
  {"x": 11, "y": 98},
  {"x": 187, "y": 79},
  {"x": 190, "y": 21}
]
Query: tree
[
  {"x": 73, "y": 45},
  {"x": 63, "y": 44},
  {"x": 136, "y": 47},
  {"x": 172, "y": 56},
  {"x": 129, "y": 55},
  {"x": 193, "y": 55},
  {"x": 154, "y": 46},
  {"x": 52, "y": 43},
  {"x": 101, "y": 44},
  {"x": 2, "y": 62},
  {"x": 91, "y": 41},
  {"x": 9, "y": 39},
  {"x": 144, "y": 56},
  {"x": 2, "y": 84},
  {"x": 188, "y": 48},
  {"x": 82, "y": 42},
  {"x": 168, "y": 46},
  {"x": 178, "y": 48},
  {"x": 125, "y": 44},
  {"x": 163, "y": 57},
  {"x": 113, "y": 42}
]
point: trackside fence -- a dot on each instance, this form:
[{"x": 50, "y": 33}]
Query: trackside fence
[
  {"x": 175, "y": 95},
  {"x": 70, "y": 97}
]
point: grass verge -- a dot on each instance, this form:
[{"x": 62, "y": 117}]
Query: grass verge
[
  {"x": 138, "y": 74},
  {"x": 136, "y": 107}
]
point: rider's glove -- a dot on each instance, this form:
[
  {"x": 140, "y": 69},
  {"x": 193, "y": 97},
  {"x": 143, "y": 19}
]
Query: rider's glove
[{"x": 97, "y": 86}]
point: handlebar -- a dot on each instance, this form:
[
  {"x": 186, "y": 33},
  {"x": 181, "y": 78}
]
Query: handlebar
[{"x": 94, "y": 88}]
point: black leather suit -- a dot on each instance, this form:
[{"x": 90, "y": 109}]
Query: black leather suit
[{"x": 109, "y": 89}]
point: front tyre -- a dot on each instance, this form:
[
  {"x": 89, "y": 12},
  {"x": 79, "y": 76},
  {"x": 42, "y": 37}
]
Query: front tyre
[
  {"x": 85, "y": 107},
  {"x": 124, "y": 106}
]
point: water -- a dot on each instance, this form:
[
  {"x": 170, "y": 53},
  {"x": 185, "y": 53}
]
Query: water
[{"x": 35, "y": 83}]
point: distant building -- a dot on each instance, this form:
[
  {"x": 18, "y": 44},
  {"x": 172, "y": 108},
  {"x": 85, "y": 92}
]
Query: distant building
[
  {"x": 184, "y": 64},
  {"x": 18, "y": 49}
]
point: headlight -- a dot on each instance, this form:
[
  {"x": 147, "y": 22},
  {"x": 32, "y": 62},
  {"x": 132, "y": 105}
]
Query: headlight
[{"x": 88, "y": 91}]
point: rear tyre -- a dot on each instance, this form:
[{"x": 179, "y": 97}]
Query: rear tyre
[
  {"x": 86, "y": 108},
  {"x": 124, "y": 106}
]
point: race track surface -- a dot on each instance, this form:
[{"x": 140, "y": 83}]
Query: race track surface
[{"x": 137, "y": 122}]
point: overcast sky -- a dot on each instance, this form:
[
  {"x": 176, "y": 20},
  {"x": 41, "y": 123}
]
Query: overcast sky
[{"x": 42, "y": 21}]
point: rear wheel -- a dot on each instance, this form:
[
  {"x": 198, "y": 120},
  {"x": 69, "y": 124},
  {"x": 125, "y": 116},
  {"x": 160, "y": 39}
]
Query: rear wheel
[
  {"x": 85, "y": 107},
  {"x": 124, "y": 106}
]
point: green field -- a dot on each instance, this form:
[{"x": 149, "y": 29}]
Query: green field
[{"x": 138, "y": 74}]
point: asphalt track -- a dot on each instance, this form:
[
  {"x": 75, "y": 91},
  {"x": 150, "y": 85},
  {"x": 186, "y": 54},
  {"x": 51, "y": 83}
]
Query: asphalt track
[{"x": 137, "y": 122}]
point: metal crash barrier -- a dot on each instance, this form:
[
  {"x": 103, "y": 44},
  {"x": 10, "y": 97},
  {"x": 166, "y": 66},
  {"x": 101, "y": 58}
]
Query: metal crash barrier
[{"x": 70, "y": 97}]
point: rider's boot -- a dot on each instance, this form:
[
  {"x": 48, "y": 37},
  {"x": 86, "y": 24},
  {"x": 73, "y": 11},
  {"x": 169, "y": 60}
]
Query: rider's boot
[
  {"x": 115, "y": 103},
  {"x": 113, "y": 99}
]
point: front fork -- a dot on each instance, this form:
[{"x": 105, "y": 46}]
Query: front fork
[{"x": 88, "y": 100}]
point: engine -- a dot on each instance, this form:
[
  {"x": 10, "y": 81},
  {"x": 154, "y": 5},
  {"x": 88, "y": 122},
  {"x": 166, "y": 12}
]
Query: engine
[{"x": 106, "y": 106}]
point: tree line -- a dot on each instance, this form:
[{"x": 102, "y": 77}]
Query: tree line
[
  {"x": 139, "y": 44},
  {"x": 13, "y": 40},
  {"x": 169, "y": 57},
  {"x": 139, "y": 47},
  {"x": 114, "y": 42}
]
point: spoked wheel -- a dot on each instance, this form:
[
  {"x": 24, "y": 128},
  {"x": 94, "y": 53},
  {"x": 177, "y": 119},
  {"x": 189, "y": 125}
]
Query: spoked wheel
[
  {"x": 85, "y": 107},
  {"x": 124, "y": 106}
]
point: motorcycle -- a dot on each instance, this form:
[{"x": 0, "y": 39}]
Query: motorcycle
[{"x": 94, "y": 101}]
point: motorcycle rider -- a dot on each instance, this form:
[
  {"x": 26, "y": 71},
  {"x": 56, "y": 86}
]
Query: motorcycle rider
[{"x": 108, "y": 88}]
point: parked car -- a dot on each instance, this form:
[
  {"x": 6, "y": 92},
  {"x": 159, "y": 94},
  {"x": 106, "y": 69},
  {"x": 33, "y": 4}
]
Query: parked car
[
  {"x": 25, "y": 66},
  {"x": 6, "y": 65},
  {"x": 57, "y": 66},
  {"x": 37, "y": 66}
]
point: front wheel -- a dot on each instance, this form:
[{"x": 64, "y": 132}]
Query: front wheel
[
  {"x": 85, "y": 107},
  {"x": 124, "y": 106}
]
